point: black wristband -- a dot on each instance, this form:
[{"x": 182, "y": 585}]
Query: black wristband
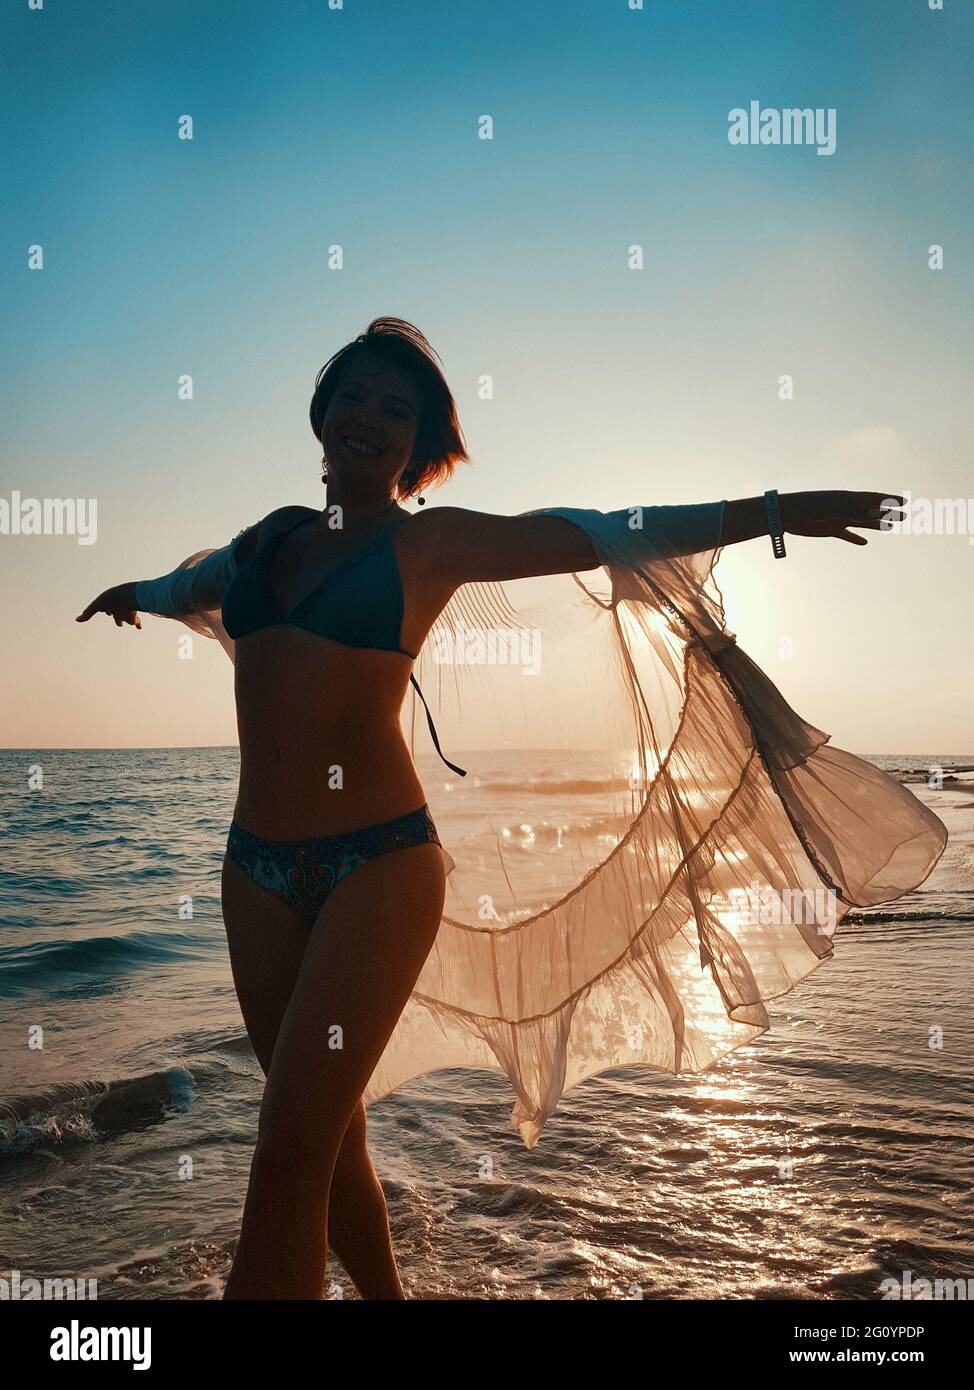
[{"x": 774, "y": 523}]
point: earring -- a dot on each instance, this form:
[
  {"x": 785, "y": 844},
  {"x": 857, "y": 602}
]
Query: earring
[
  {"x": 324, "y": 470},
  {"x": 421, "y": 500}
]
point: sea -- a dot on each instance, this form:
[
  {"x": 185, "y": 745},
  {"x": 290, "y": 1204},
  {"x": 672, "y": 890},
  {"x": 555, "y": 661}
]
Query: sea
[{"x": 830, "y": 1156}]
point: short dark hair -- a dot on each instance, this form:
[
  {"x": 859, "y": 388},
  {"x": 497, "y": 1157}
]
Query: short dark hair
[{"x": 440, "y": 445}]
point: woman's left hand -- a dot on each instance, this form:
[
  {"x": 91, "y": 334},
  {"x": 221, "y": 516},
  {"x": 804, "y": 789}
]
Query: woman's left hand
[{"x": 832, "y": 513}]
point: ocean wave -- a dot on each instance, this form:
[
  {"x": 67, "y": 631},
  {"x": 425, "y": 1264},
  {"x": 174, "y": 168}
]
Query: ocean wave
[
  {"x": 82, "y": 1112},
  {"x": 45, "y": 964},
  {"x": 922, "y": 915},
  {"x": 912, "y": 774}
]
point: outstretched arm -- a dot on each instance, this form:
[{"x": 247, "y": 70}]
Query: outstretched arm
[
  {"x": 187, "y": 589},
  {"x": 472, "y": 546}
]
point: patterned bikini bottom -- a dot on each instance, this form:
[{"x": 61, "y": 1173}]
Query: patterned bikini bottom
[{"x": 303, "y": 872}]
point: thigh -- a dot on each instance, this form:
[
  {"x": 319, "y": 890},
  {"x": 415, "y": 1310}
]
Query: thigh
[
  {"x": 267, "y": 941},
  {"x": 366, "y": 950}
]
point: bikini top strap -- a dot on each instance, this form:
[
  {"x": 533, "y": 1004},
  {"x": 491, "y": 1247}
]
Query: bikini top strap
[
  {"x": 286, "y": 530},
  {"x": 429, "y": 720},
  {"x": 377, "y": 537}
]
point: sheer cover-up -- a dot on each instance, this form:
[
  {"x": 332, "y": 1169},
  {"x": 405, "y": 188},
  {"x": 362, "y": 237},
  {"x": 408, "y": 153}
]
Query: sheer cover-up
[{"x": 733, "y": 839}]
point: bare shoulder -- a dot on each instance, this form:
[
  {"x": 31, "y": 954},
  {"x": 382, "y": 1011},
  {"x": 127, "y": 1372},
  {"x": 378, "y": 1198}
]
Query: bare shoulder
[
  {"x": 429, "y": 537},
  {"x": 425, "y": 527},
  {"x": 437, "y": 520},
  {"x": 277, "y": 520},
  {"x": 281, "y": 516},
  {"x": 418, "y": 541},
  {"x": 436, "y": 527}
]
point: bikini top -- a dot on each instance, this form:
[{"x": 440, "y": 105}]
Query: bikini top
[{"x": 358, "y": 604}]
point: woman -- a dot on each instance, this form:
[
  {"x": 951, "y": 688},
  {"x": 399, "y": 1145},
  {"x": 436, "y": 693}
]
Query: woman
[{"x": 334, "y": 879}]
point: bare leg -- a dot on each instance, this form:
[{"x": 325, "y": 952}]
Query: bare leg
[
  {"x": 267, "y": 941},
  {"x": 358, "y": 1218},
  {"x": 358, "y": 968}
]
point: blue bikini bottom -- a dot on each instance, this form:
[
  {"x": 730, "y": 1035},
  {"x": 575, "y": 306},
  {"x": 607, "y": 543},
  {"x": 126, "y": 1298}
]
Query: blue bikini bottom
[{"x": 303, "y": 872}]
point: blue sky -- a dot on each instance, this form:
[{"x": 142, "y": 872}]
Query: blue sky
[{"x": 612, "y": 386}]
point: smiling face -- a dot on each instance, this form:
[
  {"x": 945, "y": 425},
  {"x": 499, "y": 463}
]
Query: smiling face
[{"x": 369, "y": 429}]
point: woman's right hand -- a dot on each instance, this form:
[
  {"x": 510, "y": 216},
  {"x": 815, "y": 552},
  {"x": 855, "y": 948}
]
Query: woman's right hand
[{"x": 118, "y": 602}]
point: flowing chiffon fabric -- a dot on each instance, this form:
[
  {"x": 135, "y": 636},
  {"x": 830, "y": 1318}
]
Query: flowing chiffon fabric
[{"x": 727, "y": 839}]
